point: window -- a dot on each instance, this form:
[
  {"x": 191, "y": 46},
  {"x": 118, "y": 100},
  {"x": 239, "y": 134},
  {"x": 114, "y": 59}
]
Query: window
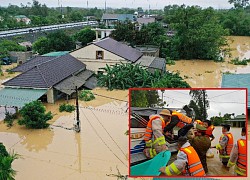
[{"x": 99, "y": 55}]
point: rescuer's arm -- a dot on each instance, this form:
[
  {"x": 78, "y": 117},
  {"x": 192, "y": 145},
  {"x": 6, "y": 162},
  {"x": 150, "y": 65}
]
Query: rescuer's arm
[
  {"x": 222, "y": 143},
  {"x": 233, "y": 156}
]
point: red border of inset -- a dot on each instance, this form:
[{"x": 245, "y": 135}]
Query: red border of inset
[{"x": 246, "y": 124}]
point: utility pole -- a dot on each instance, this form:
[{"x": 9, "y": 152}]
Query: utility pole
[
  {"x": 77, "y": 125},
  {"x": 204, "y": 105}
]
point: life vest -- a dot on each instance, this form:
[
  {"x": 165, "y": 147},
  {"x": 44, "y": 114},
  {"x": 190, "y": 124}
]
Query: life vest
[
  {"x": 242, "y": 157},
  {"x": 198, "y": 122},
  {"x": 226, "y": 152},
  {"x": 183, "y": 119},
  {"x": 209, "y": 130},
  {"x": 149, "y": 131},
  {"x": 194, "y": 166}
]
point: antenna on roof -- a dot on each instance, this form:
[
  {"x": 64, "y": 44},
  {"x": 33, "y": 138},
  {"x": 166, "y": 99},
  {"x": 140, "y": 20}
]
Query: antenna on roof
[
  {"x": 105, "y": 6},
  {"x": 87, "y": 4}
]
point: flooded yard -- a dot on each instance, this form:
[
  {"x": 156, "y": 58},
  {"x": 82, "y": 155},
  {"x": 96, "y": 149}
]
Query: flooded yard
[{"x": 207, "y": 73}]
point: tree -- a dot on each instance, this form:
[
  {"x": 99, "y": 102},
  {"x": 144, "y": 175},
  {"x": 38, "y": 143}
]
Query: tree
[
  {"x": 56, "y": 41},
  {"x": 145, "y": 98},
  {"x": 239, "y": 3},
  {"x": 34, "y": 116},
  {"x": 6, "y": 159},
  {"x": 85, "y": 36},
  {"x": 76, "y": 16},
  {"x": 199, "y": 103},
  {"x": 198, "y": 34}
]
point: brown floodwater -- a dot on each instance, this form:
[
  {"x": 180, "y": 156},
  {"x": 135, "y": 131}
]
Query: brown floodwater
[{"x": 204, "y": 73}]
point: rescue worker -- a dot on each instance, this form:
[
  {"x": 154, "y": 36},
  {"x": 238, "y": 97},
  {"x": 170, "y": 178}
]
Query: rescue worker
[
  {"x": 201, "y": 144},
  {"x": 180, "y": 120},
  {"x": 225, "y": 144},
  {"x": 187, "y": 162},
  {"x": 154, "y": 138},
  {"x": 238, "y": 156}
]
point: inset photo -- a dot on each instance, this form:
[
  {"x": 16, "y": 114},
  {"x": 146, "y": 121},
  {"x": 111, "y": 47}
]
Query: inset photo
[{"x": 188, "y": 132}]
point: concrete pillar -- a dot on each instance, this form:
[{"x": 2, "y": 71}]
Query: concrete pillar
[
  {"x": 102, "y": 34},
  {"x": 50, "y": 96},
  {"x": 96, "y": 35}
]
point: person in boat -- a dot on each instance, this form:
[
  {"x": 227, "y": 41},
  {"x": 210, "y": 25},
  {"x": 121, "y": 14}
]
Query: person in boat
[
  {"x": 238, "y": 156},
  {"x": 225, "y": 144},
  {"x": 180, "y": 120},
  {"x": 201, "y": 143},
  {"x": 187, "y": 163},
  {"x": 154, "y": 137}
]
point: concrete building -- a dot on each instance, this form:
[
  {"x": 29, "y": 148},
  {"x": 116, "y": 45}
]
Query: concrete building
[
  {"x": 238, "y": 121},
  {"x": 47, "y": 78},
  {"x": 108, "y": 51},
  {"x": 22, "y": 18}
]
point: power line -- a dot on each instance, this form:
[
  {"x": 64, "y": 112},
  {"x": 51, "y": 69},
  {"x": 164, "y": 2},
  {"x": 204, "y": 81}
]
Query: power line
[
  {"x": 228, "y": 102},
  {"x": 102, "y": 139},
  {"x": 224, "y": 94},
  {"x": 175, "y": 100}
]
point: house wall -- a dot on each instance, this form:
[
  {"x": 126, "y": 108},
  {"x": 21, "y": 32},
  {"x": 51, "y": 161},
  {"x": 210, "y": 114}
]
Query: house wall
[
  {"x": 20, "y": 57},
  {"x": 87, "y": 55},
  {"x": 89, "y": 52}
]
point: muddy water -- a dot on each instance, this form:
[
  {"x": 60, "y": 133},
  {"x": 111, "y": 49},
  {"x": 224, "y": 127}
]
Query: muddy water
[{"x": 203, "y": 73}]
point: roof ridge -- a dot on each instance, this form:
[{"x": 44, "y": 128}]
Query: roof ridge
[
  {"x": 48, "y": 60},
  {"x": 41, "y": 75}
]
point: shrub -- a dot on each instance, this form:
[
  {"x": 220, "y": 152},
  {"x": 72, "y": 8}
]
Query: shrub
[
  {"x": 66, "y": 107},
  {"x": 86, "y": 95},
  {"x": 169, "y": 61},
  {"x": 237, "y": 61},
  {"x": 34, "y": 116},
  {"x": 9, "y": 118}
]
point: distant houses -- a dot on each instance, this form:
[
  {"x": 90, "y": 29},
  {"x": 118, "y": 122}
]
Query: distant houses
[
  {"x": 109, "y": 51},
  {"x": 238, "y": 121},
  {"x": 111, "y": 19},
  {"x": 22, "y": 18},
  {"x": 47, "y": 78}
]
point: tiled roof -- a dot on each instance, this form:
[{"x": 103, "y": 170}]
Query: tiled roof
[
  {"x": 119, "y": 49},
  {"x": 48, "y": 74}
]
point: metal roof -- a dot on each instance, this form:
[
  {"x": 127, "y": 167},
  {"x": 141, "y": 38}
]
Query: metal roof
[
  {"x": 19, "y": 97},
  {"x": 48, "y": 74},
  {"x": 158, "y": 64},
  {"x": 119, "y": 49},
  {"x": 110, "y": 16},
  {"x": 237, "y": 81},
  {"x": 68, "y": 85},
  {"x": 55, "y": 54},
  {"x": 91, "y": 83}
]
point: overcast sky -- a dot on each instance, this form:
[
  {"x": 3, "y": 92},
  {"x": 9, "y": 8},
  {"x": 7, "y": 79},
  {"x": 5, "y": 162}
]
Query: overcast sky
[
  {"x": 224, "y": 101},
  {"x": 154, "y": 4}
]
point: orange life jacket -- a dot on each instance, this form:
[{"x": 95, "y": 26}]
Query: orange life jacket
[
  {"x": 209, "y": 130},
  {"x": 230, "y": 144},
  {"x": 194, "y": 166},
  {"x": 149, "y": 131},
  {"x": 242, "y": 154},
  {"x": 183, "y": 119}
]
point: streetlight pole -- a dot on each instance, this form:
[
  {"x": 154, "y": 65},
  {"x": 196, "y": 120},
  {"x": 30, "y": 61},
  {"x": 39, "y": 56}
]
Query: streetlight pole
[{"x": 77, "y": 125}]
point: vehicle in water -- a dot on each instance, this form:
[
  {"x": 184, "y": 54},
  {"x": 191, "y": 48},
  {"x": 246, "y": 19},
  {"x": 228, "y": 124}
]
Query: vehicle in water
[{"x": 139, "y": 118}]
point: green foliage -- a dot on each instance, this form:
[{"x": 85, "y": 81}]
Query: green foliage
[
  {"x": 9, "y": 118},
  {"x": 6, "y": 159},
  {"x": 237, "y": 61},
  {"x": 239, "y": 3},
  {"x": 66, "y": 107},
  {"x": 76, "y": 16},
  {"x": 7, "y": 45},
  {"x": 199, "y": 98},
  {"x": 169, "y": 61},
  {"x": 124, "y": 76},
  {"x": 198, "y": 34},
  {"x": 34, "y": 116},
  {"x": 85, "y": 36},
  {"x": 218, "y": 120},
  {"x": 56, "y": 41},
  {"x": 86, "y": 95},
  {"x": 145, "y": 98}
]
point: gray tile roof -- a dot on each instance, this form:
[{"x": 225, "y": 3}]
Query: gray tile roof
[
  {"x": 145, "y": 20},
  {"x": 32, "y": 63},
  {"x": 119, "y": 49},
  {"x": 145, "y": 61},
  {"x": 91, "y": 83},
  {"x": 49, "y": 73},
  {"x": 109, "y": 16}
]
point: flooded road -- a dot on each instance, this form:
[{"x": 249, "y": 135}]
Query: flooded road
[{"x": 207, "y": 73}]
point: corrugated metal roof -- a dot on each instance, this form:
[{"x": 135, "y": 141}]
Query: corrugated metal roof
[
  {"x": 124, "y": 17},
  {"x": 237, "y": 81},
  {"x": 68, "y": 85},
  {"x": 48, "y": 74},
  {"x": 145, "y": 61},
  {"x": 109, "y": 16},
  {"x": 19, "y": 97},
  {"x": 91, "y": 83},
  {"x": 119, "y": 49},
  {"x": 55, "y": 54},
  {"x": 158, "y": 64},
  {"x": 145, "y": 20}
]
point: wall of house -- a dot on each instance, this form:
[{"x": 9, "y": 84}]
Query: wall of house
[
  {"x": 95, "y": 64},
  {"x": 89, "y": 52},
  {"x": 20, "y": 57}
]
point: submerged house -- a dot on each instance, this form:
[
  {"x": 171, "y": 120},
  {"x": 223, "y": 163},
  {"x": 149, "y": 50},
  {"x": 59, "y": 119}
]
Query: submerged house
[
  {"x": 47, "y": 78},
  {"x": 109, "y": 51}
]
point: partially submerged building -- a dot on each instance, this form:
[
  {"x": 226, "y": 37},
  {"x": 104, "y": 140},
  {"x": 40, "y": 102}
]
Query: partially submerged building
[{"x": 47, "y": 78}]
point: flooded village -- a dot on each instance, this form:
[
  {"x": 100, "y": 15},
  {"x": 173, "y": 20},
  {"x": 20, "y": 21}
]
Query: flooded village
[{"x": 101, "y": 149}]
